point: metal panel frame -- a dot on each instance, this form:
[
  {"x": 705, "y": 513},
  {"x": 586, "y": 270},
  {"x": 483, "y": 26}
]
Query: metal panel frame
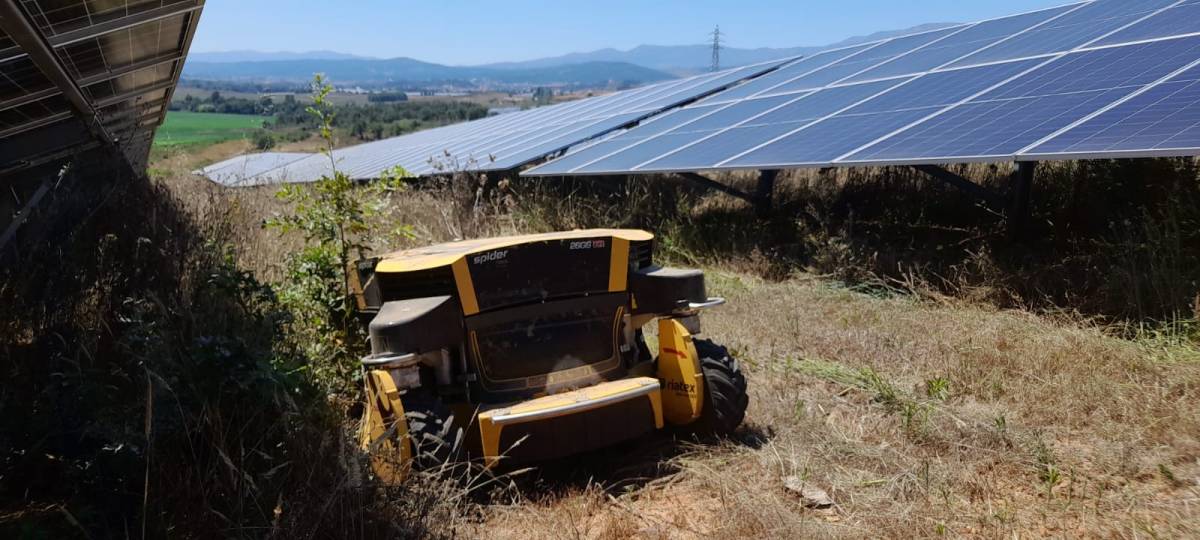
[{"x": 21, "y": 30}]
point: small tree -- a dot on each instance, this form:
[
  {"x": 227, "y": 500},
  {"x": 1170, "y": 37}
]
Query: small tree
[
  {"x": 263, "y": 140},
  {"x": 337, "y": 217}
]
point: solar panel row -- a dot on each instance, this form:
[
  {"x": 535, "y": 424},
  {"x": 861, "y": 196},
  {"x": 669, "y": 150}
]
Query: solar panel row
[
  {"x": 501, "y": 142},
  {"x": 1108, "y": 77}
]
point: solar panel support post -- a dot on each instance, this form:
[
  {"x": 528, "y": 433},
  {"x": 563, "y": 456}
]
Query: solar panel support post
[
  {"x": 764, "y": 195},
  {"x": 1020, "y": 192}
]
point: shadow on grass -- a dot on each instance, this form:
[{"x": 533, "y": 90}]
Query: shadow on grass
[
  {"x": 148, "y": 392},
  {"x": 626, "y": 466}
]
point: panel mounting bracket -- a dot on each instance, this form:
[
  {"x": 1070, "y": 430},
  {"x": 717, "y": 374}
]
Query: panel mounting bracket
[
  {"x": 762, "y": 198},
  {"x": 994, "y": 200},
  {"x": 705, "y": 182}
]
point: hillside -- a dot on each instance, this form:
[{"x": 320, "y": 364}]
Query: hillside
[
  {"x": 690, "y": 58},
  {"x": 401, "y": 71},
  {"x": 268, "y": 56}
]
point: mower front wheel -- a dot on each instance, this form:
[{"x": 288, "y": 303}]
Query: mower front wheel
[
  {"x": 725, "y": 397},
  {"x": 435, "y": 441}
]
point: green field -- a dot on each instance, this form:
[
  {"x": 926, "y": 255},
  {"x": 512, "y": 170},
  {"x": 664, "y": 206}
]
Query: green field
[{"x": 187, "y": 128}]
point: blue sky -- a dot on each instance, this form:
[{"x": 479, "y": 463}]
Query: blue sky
[{"x": 475, "y": 32}]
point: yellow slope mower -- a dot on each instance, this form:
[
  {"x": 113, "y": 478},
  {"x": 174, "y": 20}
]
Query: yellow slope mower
[{"x": 480, "y": 345}]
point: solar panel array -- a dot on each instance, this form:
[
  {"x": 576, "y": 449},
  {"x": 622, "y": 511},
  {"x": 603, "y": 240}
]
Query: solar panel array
[
  {"x": 496, "y": 143},
  {"x": 1107, "y": 78}
]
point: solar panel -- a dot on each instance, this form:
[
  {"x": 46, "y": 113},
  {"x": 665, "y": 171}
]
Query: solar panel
[
  {"x": 1175, "y": 21},
  {"x": 1087, "y": 23},
  {"x": 963, "y": 43},
  {"x": 1000, "y": 123},
  {"x": 508, "y": 141},
  {"x": 1164, "y": 119},
  {"x": 1095, "y": 78},
  {"x": 236, "y": 171},
  {"x": 784, "y": 74},
  {"x": 790, "y": 112},
  {"x": 881, "y": 53}
]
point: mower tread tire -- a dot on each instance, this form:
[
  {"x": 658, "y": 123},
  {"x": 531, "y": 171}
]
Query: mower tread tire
[{"x": 725, "y": 397}]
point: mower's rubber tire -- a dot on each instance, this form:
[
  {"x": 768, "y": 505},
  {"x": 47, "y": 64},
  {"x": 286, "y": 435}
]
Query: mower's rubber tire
[
  {"x": 725, "y": 397},
  {"x": 436, "y": 443}
]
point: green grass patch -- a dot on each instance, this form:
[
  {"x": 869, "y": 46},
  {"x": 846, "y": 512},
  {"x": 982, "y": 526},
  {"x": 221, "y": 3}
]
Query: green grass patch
[{"x": 190, "y": 128}]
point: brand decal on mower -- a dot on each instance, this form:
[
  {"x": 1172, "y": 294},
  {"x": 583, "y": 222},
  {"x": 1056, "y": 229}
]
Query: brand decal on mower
[
  {"x": 588, "y": 244},
  {"x": 490, "y": 256},
  {"x": 679, "y": 386}
]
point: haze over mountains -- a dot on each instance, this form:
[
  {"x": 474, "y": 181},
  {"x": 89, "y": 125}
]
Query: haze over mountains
[{"x": 605, "y": 67}]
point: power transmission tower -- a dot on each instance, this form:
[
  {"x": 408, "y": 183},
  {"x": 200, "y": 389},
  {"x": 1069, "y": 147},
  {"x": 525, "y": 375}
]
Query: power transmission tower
[{"x": 716, "y": 48}]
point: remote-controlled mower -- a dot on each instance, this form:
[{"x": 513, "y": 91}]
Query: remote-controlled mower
[{"x": 528, "y": 348}]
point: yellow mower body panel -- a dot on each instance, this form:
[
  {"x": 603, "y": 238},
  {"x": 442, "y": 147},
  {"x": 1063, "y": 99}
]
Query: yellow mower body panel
[
  {"x": 425, "y": 258},
  {"x": 679, "y": 370},
  {"x": 384, "y": 432},
  {"x": 637, "y": 390}
]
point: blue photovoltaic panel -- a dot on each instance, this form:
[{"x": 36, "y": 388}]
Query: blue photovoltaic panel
[
  {"x": 1164, "y": 118},
  {"x": 961, "y": 44},
  {"x": 673, "y": 119},
  {"x": 660, "y": 124},
  {"x": 517, "y": 153},
  {"x": 642, "y": 152},
  {"x": 784, "y": 74},
  {"x": 993, "y": 129},
  {"x": 862, "y": 61},
  {"x": 825, "y": 102},
  {"x": 1003, "y": 121},
  {"x": 1078, "y": 80},
  {"x": 824, "y": 141},
  {"x": 848, "y": 130},
  {"x": 591, "y": 153},
  {"x": 1178, "y": 20},
  {"x": 736, "y": 112},
  {"x": 945, "y": 87},
  {"x": 509, "y": 140},
  {"x": 794, "y": 110},
  {"x": 719, "y": 81},
  {"x": 708, "y": 152},
  {"x": 1070, "y": 31}
]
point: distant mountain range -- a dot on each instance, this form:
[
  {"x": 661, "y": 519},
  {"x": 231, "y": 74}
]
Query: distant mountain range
[
  {"x": 225, "y": 57},
  {"x": 684, "y": 59},
  {"x": 605, "y": 67},
  {"x": 399, "y": 72}
]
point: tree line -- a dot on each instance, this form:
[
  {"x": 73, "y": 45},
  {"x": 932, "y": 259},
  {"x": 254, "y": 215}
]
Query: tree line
[{"x": 290, "y": 119}]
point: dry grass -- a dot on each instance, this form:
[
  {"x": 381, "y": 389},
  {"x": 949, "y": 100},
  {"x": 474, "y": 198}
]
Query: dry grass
[
  {"x": 921, "y": 415},
  {"x": 1042, "y": 428}
]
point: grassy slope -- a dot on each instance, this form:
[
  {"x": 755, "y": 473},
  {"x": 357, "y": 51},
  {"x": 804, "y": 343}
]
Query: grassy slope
[
  {"x": 188, "y": 128},
  {"x": 1047, "y": 427}
]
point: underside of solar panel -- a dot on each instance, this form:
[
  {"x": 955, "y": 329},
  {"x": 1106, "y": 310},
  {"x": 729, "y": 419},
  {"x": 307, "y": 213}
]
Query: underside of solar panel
[
  {"x": 1107, "y": 78},
  {"x": 79, "y": 75}
]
